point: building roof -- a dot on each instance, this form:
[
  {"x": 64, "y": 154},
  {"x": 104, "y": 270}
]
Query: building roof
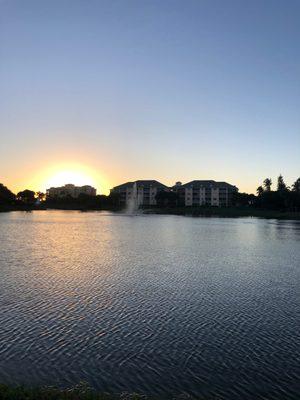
[
  {"x": 123, "y": 185},
  {"x": 206, "y": 183},
  {"x": 143, "y": 182},
  {"x": 195, "y": 184},
  {"x": 70, "y": 186},
  {"x": 152, "y": 182}
]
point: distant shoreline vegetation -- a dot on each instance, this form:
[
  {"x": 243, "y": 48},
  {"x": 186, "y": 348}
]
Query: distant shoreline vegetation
[{"x": 284, "y": 202}]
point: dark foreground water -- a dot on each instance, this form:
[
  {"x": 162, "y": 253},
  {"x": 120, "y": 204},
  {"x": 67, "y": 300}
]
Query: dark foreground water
[{"x": 163, "y": 305}]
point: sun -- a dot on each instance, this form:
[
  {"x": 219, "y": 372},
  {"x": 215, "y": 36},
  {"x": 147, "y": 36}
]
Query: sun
[
  {"x": 75, "y": 174},
  {"x": 78, "y": 174},
  {"x": 65, "y": 177}
]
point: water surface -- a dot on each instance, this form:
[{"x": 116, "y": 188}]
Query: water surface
[{"x": 162, "y": 305}]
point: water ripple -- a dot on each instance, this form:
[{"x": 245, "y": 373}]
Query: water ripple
[{"x": 156, "y": 304}]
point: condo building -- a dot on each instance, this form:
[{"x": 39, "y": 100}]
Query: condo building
[
  {"x": 70, "y": 191},
  {"x": 205, "y": 192},
  {"x": 194, "y": 193},
  {"x": 141, "y": 192}
]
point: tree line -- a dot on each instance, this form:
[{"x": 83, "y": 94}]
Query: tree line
[
  {"x": 282, "y": 198},
  {"x": 30, "y": 199}
]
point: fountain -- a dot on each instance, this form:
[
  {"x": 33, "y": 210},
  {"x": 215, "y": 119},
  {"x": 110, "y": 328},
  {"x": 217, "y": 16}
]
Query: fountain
[{"x": 133, "y": 202}]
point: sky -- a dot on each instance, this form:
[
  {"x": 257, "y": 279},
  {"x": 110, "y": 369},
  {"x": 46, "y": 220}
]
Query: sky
[{"x": 103, "y": 92}]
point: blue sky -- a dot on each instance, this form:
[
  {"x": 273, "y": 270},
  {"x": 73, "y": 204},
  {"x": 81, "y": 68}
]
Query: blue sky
[{"x": 167, "y": 90}]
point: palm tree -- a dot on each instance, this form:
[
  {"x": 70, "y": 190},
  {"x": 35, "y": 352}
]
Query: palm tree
[
  {"x": 281, "y": 186},
  {"x": 296, "y": 186},
  {"x": 267, "y": 184},
  {"x": 259, "y": 190}
]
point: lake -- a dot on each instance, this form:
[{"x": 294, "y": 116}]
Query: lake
[{"x": 163, "y": 305}]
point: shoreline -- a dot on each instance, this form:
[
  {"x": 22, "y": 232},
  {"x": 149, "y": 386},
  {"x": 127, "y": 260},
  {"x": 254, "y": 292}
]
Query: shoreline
[{"x": 228, "y": 212}]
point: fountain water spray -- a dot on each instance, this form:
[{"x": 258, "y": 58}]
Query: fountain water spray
[{"x": 133, "y": 202}]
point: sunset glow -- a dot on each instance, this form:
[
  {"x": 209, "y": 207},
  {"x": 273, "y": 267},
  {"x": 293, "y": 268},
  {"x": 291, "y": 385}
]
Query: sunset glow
[
  {"x": 78, "y": 178},
  {"x": 205, "y": 102},
  {"x": 74, "y": 173}
]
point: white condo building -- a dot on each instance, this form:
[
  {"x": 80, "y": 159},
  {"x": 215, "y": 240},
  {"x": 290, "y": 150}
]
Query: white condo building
[
  {"x": 70, "y": 191},
  {"x": 142, "y": 191},
  {"x": 194, "y": 193},
  {"x": 205, "y": 192}
]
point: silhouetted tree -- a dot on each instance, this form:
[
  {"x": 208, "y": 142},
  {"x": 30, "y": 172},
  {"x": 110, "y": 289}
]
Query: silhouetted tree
[
  {"x": 26, "y": 196},
  {"x": 296, "y": 186},
  {"x": 113, "y": 200},
  {"x": 41, "y": 196},
  {"x": 267, "y": 184},
  {"x": 259, "y": 190},
  {"x": 281, "y": 186},
  {"x": 242, "y": 199},
  {"x": 164, "y": 198},
  {"x": 6, "y": 196}
]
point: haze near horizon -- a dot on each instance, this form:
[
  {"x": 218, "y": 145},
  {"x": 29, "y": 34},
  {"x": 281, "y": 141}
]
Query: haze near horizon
[{"x": 111, "y": 91}]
